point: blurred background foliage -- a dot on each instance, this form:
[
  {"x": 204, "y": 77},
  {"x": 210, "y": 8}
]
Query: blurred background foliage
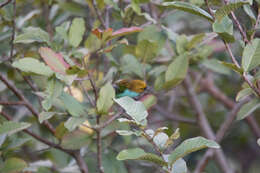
[{"x": 66, "y": 26}]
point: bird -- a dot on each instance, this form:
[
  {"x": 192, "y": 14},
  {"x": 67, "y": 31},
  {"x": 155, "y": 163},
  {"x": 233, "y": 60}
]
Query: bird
[{"x": 129, "y": 87}]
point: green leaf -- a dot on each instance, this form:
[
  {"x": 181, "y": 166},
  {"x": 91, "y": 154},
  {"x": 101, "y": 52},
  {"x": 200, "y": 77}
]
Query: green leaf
[
  {"x": 215, "y": 66},
  {"x": 181, "y": 44},
  {"x": 105, "y": 99},
  {"x": 111, "y": 164},
  {"x": 33, "y": 34},
  {"x": 54, "y": 60},
  {"x": 227, "y": 9},
  {"x": 13, "y": 165},
  {"x": 135, "y": 109},
  {"x": 232, "y": 67},
  {"x": 73, "y": 122},
  {"x": 250, "y": 13},
  {"x": 146, "y": 50},
  {"x": 149, "y": 101},
  {"x": 251, "y": 55},
  {"x": 76, "y": 31},
  {"x": 92, "y": 43},
  {"x": 62, "y": 30},
  {"x": 189, "y": 146},
  {"x": 130, "y": 154},
  {"x": 130, "y": 65},
  {"x": 160, "y": 139},
  {"x": 159, "y": 82},
  {"x": 153, "y": 34},
  {"x": 179, "y": 166},
  {"x": 224, "y": 28},
  {"x": 45, "y": 116},
  {"x": 75, "y": 140},
  {"x": 10, "y": 127},
  {"x": 176, "y": 71},
  {"x": 247, "y": 109},
  {"x": 195, "y": 40},
  {"x": 32, "y": 65},
  {"x": 75, "y": 108},
  {"x": 190, "y": 8},
  {"x": 243, "y": 93},
  {"x": 139, "y": 154}
]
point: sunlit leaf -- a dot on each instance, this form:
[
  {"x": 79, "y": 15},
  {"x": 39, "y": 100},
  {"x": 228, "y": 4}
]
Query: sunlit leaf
[{"x": 135, "y": 109}]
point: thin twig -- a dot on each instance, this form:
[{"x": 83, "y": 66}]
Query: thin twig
[
  {"x": 256, "y": 25},
  {"x": 99, "y": 147},
  {"x": 241, "y": 30},
  {"x": 5, "y": 3},
  {"x": 74, "y": 153},
  {"x": 98, "y": 14},
  {"x": 111, "y": 119},
  {"x": 174, "y": 117},
  {"x": 208, "y": 85},
  {"x": 8, "y": 103},
  {"x": 29, "y": 106},
  {"x": 13, "y": 30}
]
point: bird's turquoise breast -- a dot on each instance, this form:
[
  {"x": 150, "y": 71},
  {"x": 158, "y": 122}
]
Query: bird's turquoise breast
[{"x": 127, "y": 93}]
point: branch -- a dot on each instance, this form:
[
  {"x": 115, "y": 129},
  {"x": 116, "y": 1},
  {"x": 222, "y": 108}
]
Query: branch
[
  {"x": 204, "y": 124},
  {"x": 29, "y": 106},
  {"x": 98, "y": 14},
  {"x": 208, "y": 85},
  {"x": 174, "y": 117},
  {"x": 5, "y": 3},
  {"x": 219, "y": 136},
  {"x": 256, "y": 25},
  {"x": 8, "y": 103},
  {"x": 74, "y": 153},
  {"x": 242, "y": 32}
]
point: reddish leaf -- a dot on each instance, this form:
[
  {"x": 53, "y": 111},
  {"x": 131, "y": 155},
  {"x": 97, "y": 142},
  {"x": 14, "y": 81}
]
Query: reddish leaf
[
  {"x": 149, "y": 101},
  {"x": 103, "y": 34},
  {"x": 125, "y": 31},
  {"x": 97, "y": 32},
  {"x": 54, "y": 60}
]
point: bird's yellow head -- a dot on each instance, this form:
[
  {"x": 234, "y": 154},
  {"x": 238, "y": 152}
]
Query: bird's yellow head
[
  {"x": 134, "y": 85},
  {"x": 137, "y": 86}
]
